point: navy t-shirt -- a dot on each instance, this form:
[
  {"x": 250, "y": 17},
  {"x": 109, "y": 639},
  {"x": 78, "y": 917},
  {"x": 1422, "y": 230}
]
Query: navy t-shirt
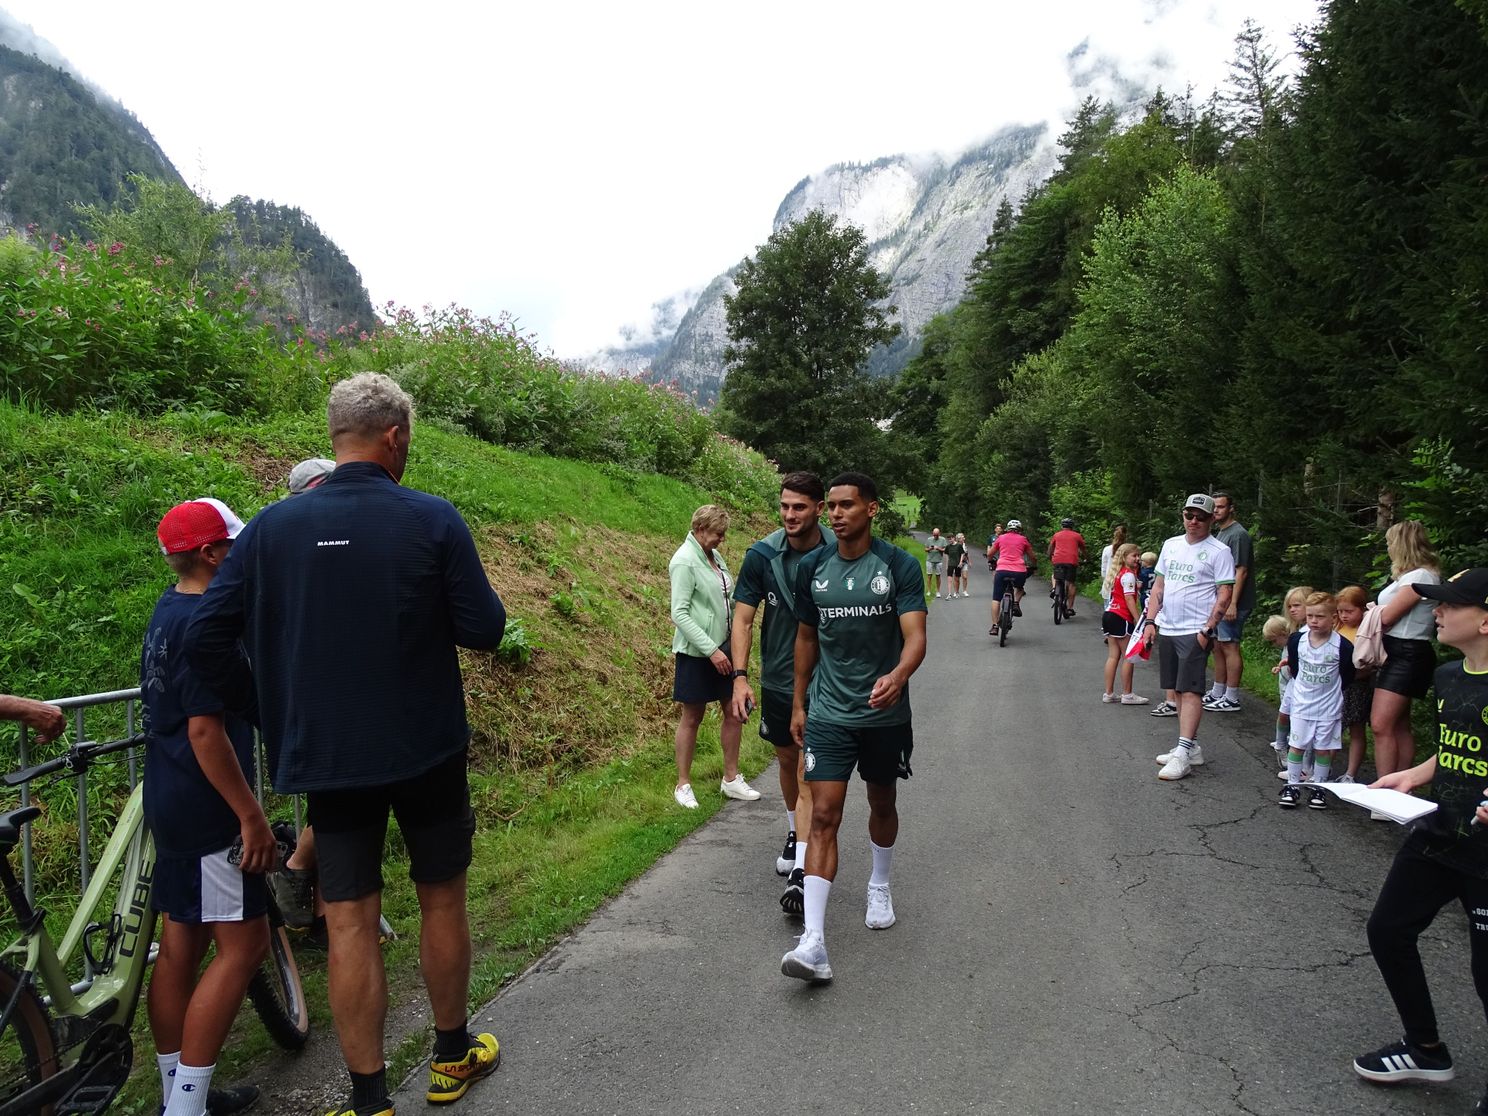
[{"x": 186, "y": 815}]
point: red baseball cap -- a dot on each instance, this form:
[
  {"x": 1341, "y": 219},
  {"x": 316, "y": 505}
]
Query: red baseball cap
[{"x": 196, "y": 523}]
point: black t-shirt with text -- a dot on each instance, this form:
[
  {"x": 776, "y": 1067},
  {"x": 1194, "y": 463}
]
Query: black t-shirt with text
[{"x": 1461, "y": 779}]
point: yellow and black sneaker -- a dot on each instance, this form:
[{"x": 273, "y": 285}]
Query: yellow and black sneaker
[
  {"x": 349, "y": 1111},
  {"x": 448, "y": 1081}
]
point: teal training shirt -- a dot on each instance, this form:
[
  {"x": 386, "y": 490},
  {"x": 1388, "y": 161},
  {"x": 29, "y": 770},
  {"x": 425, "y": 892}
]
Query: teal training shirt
[
  {"x": 757, "y": 585},
  {"x": 855, "y": 608}
]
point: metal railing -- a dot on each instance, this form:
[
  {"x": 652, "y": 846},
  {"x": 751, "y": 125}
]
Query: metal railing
[{"x": 78, "y": 707}]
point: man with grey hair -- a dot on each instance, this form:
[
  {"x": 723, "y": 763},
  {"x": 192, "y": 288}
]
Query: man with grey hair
[{"x": 351, "y": 601}]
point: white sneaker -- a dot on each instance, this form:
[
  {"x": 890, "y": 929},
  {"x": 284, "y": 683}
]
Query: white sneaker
[
  {"x": 808, "y": 961},
  {"x": 880, "y": 908},
  {"x": 1178, "y": 765},
  {"x": 685, "y": 797},
  {"x": 738, "y": 788},
  {"x": 1195, "y": 756},
  {"x": 1108, "y": 699},
  {"x": 1133, "y": 699},
  {"x": 1344, "y": 778}
]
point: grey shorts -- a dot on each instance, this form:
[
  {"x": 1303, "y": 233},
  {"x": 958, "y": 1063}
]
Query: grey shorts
[
  {"x": 934, "y": 565},
  {"x": 1182, "y": 663}
]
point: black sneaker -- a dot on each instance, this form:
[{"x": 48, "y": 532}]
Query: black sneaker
[
  {"x": 1400, "y": 1061},
  {"x": 1481, "y": 1108},
  {"x": 793, "y": 902},
  {"x": 787, "y": 859},
  {"x": 293, "y": 892},
  {"x": 231, "y": 1100},
  {"x": 1290, "y": 795},
  {"x": 1163, "y": 709},
  {"x": 1317, "y": 799},
  {"x": 1017, "y": 610}
]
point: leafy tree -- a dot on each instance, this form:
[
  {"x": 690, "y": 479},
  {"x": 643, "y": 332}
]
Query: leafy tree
[{"x": 808, "y": 311}]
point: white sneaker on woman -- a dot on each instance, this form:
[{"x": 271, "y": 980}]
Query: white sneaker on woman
[
  {"x": 685, "y": 797},
  {"x": 738, "y": 788}
]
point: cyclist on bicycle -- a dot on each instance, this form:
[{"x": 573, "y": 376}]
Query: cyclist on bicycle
[
  {"x": 1066, "y": 552},
  {"x": 1014, "y": 556}
]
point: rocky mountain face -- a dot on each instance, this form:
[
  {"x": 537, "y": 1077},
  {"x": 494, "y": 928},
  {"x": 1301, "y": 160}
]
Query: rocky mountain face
[
  {"x": 65, "y": 142},
  {"x": 925, "y": 219}
]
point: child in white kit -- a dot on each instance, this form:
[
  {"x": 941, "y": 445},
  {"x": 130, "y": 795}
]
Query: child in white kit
[{"x": 1322, "y": 666}]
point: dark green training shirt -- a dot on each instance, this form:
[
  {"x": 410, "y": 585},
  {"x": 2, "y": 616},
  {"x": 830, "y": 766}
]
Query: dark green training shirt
[
  {"x": 758, "y": 584},
  {"x": 855, "y": 608}
]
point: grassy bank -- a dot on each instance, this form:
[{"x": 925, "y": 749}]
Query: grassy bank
[{"x": 572, "y": 750}]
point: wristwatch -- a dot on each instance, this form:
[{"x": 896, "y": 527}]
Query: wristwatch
[{"x": 741, "y": 674}]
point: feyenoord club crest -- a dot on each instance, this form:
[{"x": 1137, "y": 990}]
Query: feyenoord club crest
[{"x": 879, "y": 585}]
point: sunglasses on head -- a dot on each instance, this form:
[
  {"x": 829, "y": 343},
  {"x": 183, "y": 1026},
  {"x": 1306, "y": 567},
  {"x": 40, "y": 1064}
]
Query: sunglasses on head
[{"x": 1194, "y": 513}]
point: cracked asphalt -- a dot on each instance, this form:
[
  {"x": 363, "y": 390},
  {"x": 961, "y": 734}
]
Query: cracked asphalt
[{"x": 1074, "y": 935}]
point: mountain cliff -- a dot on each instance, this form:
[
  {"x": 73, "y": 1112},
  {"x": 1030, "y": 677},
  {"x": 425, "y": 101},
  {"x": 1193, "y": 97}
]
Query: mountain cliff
[
  {"x": 64, "y": 142},
  {"x": 925, "y": 219}
]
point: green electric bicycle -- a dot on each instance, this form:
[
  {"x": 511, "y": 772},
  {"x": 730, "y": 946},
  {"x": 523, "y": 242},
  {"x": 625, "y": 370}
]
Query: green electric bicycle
[{"x": 65, "y": 1045}]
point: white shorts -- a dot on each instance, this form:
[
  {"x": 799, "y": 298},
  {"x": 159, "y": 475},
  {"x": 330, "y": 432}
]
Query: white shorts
[
  {"x": 1320, "y": 736},
  {"x": 1284, "y": 680}
]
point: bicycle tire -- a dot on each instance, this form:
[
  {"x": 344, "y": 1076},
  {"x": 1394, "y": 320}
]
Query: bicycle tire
[
  {"x": 1058, "y": 603},
  {"x": 277, "y": 994},
  {"x": 28, "y": 1047},
  {"x": 1005, "y": 619}
]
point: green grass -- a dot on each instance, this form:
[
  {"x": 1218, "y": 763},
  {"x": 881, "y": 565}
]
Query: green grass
[
  {"x": 908, "y": 506},
  {"x": 572, "y": 766}
]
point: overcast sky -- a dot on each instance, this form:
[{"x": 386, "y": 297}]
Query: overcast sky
[{"x": 573, "y": 164}]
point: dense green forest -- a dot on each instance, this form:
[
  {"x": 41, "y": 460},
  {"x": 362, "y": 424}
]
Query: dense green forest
[{"x": 1278, "y": 291}]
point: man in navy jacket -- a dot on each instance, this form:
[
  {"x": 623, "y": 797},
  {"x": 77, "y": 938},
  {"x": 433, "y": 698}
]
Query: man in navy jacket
[{"x": 351, "y": 600}]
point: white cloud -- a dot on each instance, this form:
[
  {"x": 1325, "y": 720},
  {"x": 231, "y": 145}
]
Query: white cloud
[{"x": 574, "y": 164}]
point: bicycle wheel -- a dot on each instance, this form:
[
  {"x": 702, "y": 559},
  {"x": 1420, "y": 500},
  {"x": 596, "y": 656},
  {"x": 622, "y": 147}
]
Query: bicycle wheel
[
  {"x": 277, "y": 994},
  {"x": 1005, "y": 620},
  {"x": 28, "y": 1049},
  {"x": 1058, "y": 602}
]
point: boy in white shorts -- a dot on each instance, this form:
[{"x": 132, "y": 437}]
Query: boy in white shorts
[{"x": 1322, "y": 666}]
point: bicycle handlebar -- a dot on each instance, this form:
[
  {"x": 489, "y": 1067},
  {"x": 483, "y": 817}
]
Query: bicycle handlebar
[{"x": 77, "y": 759}]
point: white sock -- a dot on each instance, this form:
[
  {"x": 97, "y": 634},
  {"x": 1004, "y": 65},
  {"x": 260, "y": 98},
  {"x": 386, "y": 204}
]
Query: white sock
[
  {"x": 815, "y": 915},
  {"x": 1217, "y": 692},
  {"x": 883, "y": 860},
  {"x": 167, "y": 1064},
  {"x": 1322, "y": 766},
  {"x": 1185, "y": 742},
  {"x": 790, "y": 820},
  {"x": 800, "y": 854},
  {"x": 1232, "y": 693},
  {"x": 189, "y": 1097}
]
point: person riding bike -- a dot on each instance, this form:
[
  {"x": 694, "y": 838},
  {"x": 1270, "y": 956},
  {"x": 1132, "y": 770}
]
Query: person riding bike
[
  {"x": 1014, "y": 556},
  {"x": 1066, "y": 552}
]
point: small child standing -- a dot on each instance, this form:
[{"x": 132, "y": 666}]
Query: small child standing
[
  {"x": 1146, "y": 575},
  {"x": 1276, "y": 631},
  {"x": 198, "y": 799},
  {"x": 1359, "y": 696},
  {"x": 1119, "y": 621},
  {"x": 1322, "y": 666}
]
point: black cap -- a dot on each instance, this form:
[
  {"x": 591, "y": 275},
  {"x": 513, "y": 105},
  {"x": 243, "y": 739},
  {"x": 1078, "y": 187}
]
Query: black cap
[{"x": 1470, "y": 587}]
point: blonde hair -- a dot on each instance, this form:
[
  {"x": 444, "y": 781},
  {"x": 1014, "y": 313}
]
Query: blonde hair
[
  {"x": 1118, "y": 563},
  {"x": 1352, "y": 595},
  {"x": 1276, "y": 628},
  {"x": 1149, "y": 558},
  {"x": 1297, "y": 594},
  {"x": 710, "y": 517},
  {"x": 1322, "y": 600},
  {"x": 1409, "y": 548}
]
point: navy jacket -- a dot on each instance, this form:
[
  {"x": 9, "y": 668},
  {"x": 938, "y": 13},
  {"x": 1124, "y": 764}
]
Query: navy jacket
[{"x": 350, "y": 600}]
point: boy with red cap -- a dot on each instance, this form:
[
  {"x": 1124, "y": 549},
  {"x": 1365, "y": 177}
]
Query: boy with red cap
[
  {"x": 198, "y": 800},
  {"x": 1445, "y": 855}
]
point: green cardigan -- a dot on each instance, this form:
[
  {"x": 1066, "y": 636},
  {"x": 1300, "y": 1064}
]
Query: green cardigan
[{"x": 700, "y": 600}]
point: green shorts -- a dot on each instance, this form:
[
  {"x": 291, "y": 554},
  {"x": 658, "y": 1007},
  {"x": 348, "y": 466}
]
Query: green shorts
[
  {"x": 879, "y": 752},
  {"x": 775, "y": 718}
]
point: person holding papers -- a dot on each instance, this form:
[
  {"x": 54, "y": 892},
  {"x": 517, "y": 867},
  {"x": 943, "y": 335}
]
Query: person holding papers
[
  {"x": 1445, "y": 855},
  {"x": 1321, "y": 663}
]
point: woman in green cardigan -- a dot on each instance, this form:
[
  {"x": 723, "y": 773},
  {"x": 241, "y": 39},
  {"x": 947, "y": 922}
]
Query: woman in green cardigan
[{"x": 701, "y": 588}]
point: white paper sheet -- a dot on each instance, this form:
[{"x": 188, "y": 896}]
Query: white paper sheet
[{"x": 1396, "y": 806}]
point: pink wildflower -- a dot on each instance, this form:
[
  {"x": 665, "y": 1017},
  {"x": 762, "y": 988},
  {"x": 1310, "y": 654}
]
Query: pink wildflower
[{"x": 116, "y": 247}]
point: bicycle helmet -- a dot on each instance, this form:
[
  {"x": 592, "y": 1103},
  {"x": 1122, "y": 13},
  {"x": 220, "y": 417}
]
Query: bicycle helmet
[
  {"x": 1015, "y": 525},
  {"x": 1066, "y": 522}
]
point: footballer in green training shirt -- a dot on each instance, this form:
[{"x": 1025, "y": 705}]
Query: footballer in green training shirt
[{"x": 861, "y": 634}]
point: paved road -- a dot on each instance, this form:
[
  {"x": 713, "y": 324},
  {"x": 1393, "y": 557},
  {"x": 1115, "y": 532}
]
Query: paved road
[{"x": 1074, "y": 935}]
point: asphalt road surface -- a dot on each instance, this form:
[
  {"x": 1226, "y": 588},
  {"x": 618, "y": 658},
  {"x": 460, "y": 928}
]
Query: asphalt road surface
[{"x": 1074, "y": 936}]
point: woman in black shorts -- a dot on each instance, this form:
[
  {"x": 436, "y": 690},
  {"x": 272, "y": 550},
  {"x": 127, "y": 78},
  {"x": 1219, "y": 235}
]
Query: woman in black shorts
[{"x": 1410, "y": 658}]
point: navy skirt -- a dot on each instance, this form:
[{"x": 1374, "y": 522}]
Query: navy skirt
[{"x": 698, "y": 681}]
